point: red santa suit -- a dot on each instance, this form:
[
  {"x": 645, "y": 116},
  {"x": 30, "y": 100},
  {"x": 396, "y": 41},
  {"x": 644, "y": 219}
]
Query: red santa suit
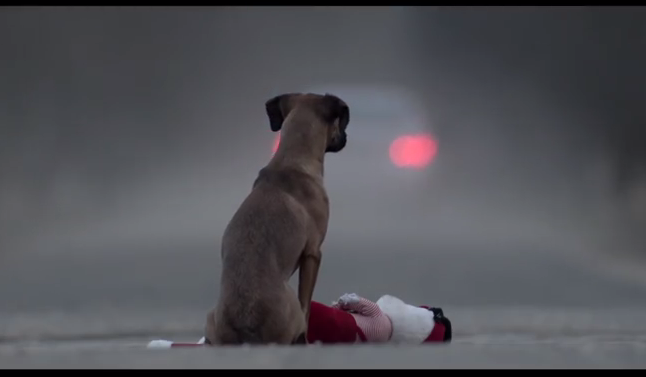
[
  {"x": 390, "y": 320},
  {"x": 351, "y": 319}
]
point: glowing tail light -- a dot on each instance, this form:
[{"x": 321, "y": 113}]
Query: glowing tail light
[
  {"x": 274, "y": 148},
  {"x": 413, "y": 151}
]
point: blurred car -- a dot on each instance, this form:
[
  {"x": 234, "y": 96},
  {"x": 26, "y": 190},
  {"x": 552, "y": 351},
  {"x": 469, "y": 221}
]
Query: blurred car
[{"x": 390, "y": 151}]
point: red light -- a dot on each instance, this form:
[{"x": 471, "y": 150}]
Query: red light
[
  {"x": 413, "y": 151},
  {"x": 276, "y": 144}
]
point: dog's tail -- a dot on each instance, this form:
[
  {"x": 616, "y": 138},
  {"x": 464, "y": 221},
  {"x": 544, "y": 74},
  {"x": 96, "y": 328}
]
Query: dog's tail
[
  {"x": 239, "y": 333},
  {"x": 243, "y": 324},
  {"x": 237, "y": 336},
  {"x": 247, "y": 335}
]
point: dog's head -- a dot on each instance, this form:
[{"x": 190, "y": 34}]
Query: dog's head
[{"x": 334, "y": 112}]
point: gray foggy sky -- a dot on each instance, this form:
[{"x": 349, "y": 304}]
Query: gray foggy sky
[{"x": 104, "y": 108}]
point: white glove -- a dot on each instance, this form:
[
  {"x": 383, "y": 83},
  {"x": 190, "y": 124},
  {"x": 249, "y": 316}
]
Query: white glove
[{"x": 348, "y": 299}]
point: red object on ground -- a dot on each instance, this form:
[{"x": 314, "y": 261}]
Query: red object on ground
[
  {"x": 331, "y": 325},
  {"x": 187, "y": 345}
]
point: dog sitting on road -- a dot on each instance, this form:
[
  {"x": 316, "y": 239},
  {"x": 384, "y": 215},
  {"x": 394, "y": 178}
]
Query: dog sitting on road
[{"x": 279, "y": 228}]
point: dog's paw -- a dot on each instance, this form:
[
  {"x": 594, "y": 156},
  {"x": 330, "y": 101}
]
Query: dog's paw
[{"x": 348, "y": 299}]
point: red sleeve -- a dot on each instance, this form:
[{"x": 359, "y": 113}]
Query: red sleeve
[
  {"x": 330, "y": 325},
  {"x": 364, "y": 307}
]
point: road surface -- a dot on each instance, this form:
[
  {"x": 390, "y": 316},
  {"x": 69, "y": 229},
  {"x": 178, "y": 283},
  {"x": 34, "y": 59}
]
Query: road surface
[{"x": 512, "y": 305}]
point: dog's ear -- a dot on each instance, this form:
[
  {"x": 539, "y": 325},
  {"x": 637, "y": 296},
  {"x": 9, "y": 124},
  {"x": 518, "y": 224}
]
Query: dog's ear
[
  {"x": 337, "y": 108},
  {"x": 277, "y": 109}
]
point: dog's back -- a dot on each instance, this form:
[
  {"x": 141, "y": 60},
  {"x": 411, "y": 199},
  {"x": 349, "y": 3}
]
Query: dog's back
[{"x": 255, "y": 296}]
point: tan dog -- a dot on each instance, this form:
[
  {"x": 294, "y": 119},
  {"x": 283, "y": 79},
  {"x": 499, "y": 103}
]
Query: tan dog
[{"x": 279, "y": 228}]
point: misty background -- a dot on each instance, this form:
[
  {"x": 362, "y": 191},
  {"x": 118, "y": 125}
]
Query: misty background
[{"x": 129, "y": 136}]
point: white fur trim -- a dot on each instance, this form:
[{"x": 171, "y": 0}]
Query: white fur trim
[
  {"x": 160, "y": 343},
  {"x": 411, "y": 324}
]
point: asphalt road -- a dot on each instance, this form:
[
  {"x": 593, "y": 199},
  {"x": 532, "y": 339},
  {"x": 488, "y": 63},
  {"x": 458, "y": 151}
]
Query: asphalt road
[
  {"x": 520, "y": 290},
  {"x": 492, "y": 355},
  {"x": 512, "y": 303}
]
